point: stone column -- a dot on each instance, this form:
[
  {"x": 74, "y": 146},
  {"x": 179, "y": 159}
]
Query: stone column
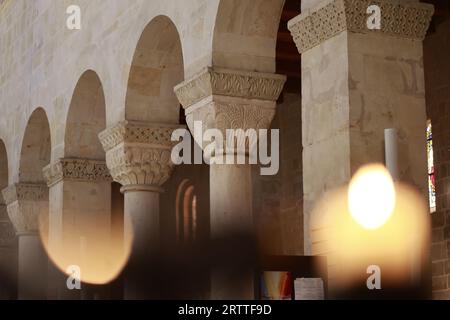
[
  {"x": 8, "y": 254},
  {"x": 79, "y": 214},
  {"x": 229, "y": 99},
  {"x": 357, "y": 82},
  {"x": 138, "y": 155},
  {"x": 27, "y": 206}
]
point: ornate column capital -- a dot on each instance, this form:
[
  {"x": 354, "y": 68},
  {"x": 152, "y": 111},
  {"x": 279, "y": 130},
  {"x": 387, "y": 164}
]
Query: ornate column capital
[
  {"x": 230, "y": 83},
  {"x": 25, "y": 204},
  {"x": 139, "y": 153},
  {"x": 76, "y": 170},
  {"x": 399, "y": 19},
  {"x": 230, "y": 99}
]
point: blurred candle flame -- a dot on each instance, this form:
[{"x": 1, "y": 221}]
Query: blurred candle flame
[
  {"x": 388, "y": 226},
  {"x": 100, "y": 252},
  {"x": 371, "y": 196}
]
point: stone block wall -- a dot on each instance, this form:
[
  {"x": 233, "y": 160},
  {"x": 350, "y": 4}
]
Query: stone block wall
[
  {"x": 278, "y": 205},
  {"x": 437, "y": 76}
]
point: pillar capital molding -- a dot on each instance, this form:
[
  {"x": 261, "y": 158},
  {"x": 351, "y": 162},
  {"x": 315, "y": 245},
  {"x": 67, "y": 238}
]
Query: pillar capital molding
[
  {"x": 25, "y": 192},
  {"x": 231, "y": 83},
  {"x": 76, "y": 170},
  {"x": 226, "y": 99},
  {"x": 139, "y": 153},
  {"x": 401, "y": 19},
  {"x": 25, "y": 204}
]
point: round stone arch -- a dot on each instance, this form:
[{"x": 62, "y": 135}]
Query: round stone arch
[
  {"x": 245, "y": 34},
  {"x": 36, "y": 148},
  {"x": 86, "y": 118},
  {"x": 157, "y": 67}
]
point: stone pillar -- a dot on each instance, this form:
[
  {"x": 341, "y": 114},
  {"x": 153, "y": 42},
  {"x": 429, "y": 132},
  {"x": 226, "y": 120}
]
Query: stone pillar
[
  {"x": 79, "y": 213},
  {"x": 8, "y": 255},
  {"x": 138, "y": 155},
  {"x": 27, "y": 206},
  {"x": 228, "y": 99},
  {"x": 357, "y": 82}
]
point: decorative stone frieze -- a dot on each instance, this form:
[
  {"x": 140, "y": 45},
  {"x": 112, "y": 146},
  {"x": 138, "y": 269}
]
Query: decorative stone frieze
[
  {"x": 76, "y": 170},
  {"x": 26, "y": 205},
  {"x": 25, "y": 192},
  {"x": 224, "y": 82},
  {"x": 228, "y": 99},
  {"x": 139, "y": 153},
  {"x": 399, "y": 19}
]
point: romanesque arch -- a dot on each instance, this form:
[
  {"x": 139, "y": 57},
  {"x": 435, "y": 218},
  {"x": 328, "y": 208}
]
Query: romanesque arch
[
  {"x": 36, "y": 148},
  {"x": 27, "y": 205},
  {"x": 80, "y": 193},
  {"x": 245, "y": 34},
  {"x": 156, "y": 68},
  {"x": 138, "y": 149},
  {"x": 86, "y": 119}
]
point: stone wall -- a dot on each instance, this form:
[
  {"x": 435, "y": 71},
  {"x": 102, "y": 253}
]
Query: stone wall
[
  {"x": 41, "y": 60},
  {"x": 437, "y": 75},
  {"x": 278, "y": 204}
]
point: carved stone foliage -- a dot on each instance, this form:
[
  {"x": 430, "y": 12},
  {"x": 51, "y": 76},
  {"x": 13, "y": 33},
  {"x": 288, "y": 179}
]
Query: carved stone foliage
[
  {"x": 230, "y": 100},
  {"x": 76, "y": 170},
  {"x": 398, "y": 19},
  {"x": 139, "y": 153},
  {"x": 233, "y": 116},
  {"x": 26, "y": 205},
  {"x": 136, "y": 132},
  {"x": 139, "y": 165},
  {"x": 25, "y": 192},
  {"x": 249, "y": 85}
]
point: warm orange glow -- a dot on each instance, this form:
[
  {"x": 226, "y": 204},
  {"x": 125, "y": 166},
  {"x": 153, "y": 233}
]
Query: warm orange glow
[
  {"x": 371, "y": 196},
  {"x": 398, "y": 244},
  {"x": 100, "y": 254}
]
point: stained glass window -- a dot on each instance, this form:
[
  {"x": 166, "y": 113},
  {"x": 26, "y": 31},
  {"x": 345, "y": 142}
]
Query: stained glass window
[{"x": 431, "y": 172}]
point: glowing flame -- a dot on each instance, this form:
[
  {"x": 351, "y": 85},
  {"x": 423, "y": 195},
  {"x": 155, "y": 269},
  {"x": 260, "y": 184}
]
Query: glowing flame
[
  {"x": 97, "y": 251},
  {"x": 371, "y": 222},
  {"x": 371, "y": 196}
]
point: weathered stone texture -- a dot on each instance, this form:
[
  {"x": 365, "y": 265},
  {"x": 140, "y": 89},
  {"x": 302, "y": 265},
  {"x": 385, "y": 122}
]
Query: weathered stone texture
[{"x": 437, "y": 74}]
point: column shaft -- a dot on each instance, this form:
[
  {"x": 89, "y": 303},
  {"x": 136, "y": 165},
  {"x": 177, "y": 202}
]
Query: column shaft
[
  {"x": 32, "y": 268},
  {"x": 232, "y": 219},
  {"x": 27, "y": 206},
  {"x": 224, "y": 100}
]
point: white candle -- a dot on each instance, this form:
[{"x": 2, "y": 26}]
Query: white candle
[{"x": 391, "y": 152}]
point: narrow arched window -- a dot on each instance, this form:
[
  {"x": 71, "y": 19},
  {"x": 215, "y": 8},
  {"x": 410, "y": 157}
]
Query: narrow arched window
[
  {"x": 186, "y": 213},
  {"x": 431, "y": 170}
]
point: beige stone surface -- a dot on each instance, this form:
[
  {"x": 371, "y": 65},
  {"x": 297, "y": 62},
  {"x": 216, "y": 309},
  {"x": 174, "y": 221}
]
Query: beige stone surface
[{"x": 41, "y": 60}]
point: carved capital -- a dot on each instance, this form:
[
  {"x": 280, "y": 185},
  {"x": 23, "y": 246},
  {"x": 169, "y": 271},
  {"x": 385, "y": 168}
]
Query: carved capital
[
  {"x": 7, "y": 234},
  {"x": 398, "y": 19},
  {"x": 231, "y": 83},
  {"x": 230, "y": 100},
  {"x": 25, "y": 192},
  {"x": 26, "y": 205},
  {"x": 76, "y": 170},
  {"x": 139, "y": 153}
]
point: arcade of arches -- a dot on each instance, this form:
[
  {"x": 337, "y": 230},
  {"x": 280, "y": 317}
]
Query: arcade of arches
[{"x": 87, "y": 117}]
